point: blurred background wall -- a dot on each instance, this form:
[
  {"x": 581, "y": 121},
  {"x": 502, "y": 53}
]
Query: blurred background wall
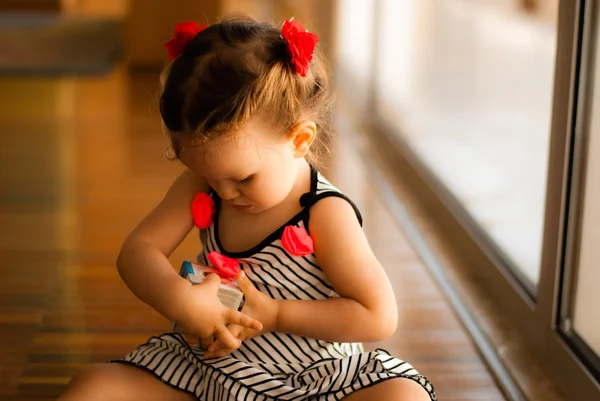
[{"x": 148, "y": 22}]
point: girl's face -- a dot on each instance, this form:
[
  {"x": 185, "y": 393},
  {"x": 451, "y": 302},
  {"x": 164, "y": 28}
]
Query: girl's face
[{"x": 253, "y": 169}]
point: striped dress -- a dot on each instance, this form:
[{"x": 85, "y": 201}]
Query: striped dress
[{"x": 274, "y": 366}]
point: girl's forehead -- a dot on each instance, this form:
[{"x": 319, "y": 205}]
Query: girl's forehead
[
  {"x": 224, "y": 157},
  {"x": 235, "y": 152},
  {"x": 230, "y": 147}
]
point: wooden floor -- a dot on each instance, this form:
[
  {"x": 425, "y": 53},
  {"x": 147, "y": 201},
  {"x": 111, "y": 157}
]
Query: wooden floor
[{"x": 81, "y": 161}]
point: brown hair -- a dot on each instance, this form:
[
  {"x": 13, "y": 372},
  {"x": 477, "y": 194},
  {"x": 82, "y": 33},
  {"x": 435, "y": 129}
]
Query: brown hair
[{"x": 234, "y": 70}]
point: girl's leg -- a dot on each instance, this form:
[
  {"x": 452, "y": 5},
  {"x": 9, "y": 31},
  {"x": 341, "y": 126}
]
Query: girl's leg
[
  {"x": 391, "y": 390},
  {"x": 117, "y": 382}
]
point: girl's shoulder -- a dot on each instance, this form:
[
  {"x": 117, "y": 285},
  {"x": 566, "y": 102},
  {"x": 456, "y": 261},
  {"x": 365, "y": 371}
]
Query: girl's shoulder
[
  {"x": 328, "y": 198},
  {"x": 190, "y": 182}
]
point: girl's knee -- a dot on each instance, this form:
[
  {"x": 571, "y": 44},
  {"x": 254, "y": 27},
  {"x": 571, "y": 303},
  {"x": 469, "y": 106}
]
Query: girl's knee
[
  {"x": 399, "y": 389},
  {"x": 98, "y": 382},
  {"x": 92, "y": 383},
  {"x": 407, "y": 390},
  {"x": 118, "y": 382}
]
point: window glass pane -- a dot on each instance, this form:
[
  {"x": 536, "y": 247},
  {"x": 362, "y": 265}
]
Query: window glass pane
[
  {"x": 469, "y": 86},
  {"x": 355, "y": 20}
]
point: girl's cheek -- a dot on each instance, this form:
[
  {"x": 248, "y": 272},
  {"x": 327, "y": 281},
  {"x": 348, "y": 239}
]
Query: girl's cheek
[{"x": 250, "y": 193}]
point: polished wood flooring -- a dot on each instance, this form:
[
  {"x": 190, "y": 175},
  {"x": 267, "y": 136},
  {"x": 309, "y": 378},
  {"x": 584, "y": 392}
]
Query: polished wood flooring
[{"x": 81, "y": 161}]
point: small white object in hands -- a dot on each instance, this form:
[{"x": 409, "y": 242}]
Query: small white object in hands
[{"x": 228, "y": 293}]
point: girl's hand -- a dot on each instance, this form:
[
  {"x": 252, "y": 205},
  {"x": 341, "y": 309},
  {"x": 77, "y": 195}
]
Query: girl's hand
[
  {"x": 258, "y": 306},
  {"x": 204, "y": 316}
]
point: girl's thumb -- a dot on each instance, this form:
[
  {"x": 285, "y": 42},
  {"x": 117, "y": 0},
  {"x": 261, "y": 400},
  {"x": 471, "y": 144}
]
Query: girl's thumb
[
  {"x": 244, "y": 283},
  {"x": 212, "y": 279}
]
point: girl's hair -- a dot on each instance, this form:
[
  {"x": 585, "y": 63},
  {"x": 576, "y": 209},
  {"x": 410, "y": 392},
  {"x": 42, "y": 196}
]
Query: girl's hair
[{"x": 237, "y": 69}]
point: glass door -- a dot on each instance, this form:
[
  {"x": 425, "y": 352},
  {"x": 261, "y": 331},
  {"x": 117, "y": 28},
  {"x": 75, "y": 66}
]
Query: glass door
[
  {"x": 580, "y": 313},
  {"x": 495, "y": 107},
  {"x": 468, "y": 85}
]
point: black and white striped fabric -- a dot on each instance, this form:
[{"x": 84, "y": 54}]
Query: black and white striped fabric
[{"x": 274, "y": 366}]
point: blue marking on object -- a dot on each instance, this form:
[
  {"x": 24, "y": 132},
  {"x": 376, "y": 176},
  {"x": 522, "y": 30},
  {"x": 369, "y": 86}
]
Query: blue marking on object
[{"x": 186, "y": 269}]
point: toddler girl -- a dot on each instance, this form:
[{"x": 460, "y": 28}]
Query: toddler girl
[{"x": 243, "y": 103}]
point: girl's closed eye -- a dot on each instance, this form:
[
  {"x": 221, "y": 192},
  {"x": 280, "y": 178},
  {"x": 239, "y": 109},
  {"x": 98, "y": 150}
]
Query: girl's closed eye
[{"x": 246, "y": 180}]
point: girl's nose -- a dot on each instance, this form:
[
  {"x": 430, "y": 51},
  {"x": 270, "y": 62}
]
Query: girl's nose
[{"x": 227, "y": 191}]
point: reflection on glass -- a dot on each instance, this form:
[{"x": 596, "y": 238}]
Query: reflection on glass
[
  {"x": 586, "y": 319},
  {"x": 469, "y": 85}
]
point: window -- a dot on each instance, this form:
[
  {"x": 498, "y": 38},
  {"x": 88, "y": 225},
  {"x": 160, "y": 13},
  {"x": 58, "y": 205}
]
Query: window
[{"x": 469, "y": 87}]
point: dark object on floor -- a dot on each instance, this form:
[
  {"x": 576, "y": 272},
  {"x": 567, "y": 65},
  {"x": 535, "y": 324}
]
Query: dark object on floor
[{"x": 57, "y": 45}]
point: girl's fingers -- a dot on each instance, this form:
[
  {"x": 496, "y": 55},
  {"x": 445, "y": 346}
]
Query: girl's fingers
[
  {"x": 190, "y": 339},
  {"x": 206, "y": 341},
  {"x": 235, "y": 317},
  {"x": 214, "y": 346},
  {"x": 218, "y": 350},
  {"x": 212, "y": 280},
  {"x": 226, "y": 338},
  {"x": 235, "y": 330},
  {"x": 245, "y": 284}
]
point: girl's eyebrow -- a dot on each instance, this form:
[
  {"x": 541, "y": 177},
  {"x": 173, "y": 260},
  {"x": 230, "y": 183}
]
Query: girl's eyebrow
[
  {"x": 236, "y": 177},
  {"x": 239, "y": 177}
]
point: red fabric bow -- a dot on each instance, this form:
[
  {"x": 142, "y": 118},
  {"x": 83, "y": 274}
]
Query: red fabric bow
[
  {"x": 184, "y": 32},
  {"x": 203, "y": 208},
  {"x": 227, "y": 268},
  {"x": 296, "y": 241},
  {"x": 300, "y": 44}
]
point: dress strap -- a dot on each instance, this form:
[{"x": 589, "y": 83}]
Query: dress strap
[
  {"x": 321, "y": 188},
  {"x": 309, "y": 199}
]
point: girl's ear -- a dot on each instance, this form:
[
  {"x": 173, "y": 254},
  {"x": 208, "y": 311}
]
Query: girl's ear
[{"x": 302, "y": 137}]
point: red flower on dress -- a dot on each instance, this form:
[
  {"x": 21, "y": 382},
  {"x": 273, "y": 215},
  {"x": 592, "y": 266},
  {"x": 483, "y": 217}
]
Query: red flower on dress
[
  {"x": 300, "y": 44},
  {"x": 227, "y": 268},
  {"x": 203, "y": 208},
  {"x": 296, "y": 241},
  {"x": 184, "y": 32}
]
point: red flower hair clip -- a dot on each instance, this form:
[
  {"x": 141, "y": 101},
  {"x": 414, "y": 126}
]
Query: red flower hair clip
[
  {"x": 184, "y": 32},
  {"x": 300, "y": 44}
]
